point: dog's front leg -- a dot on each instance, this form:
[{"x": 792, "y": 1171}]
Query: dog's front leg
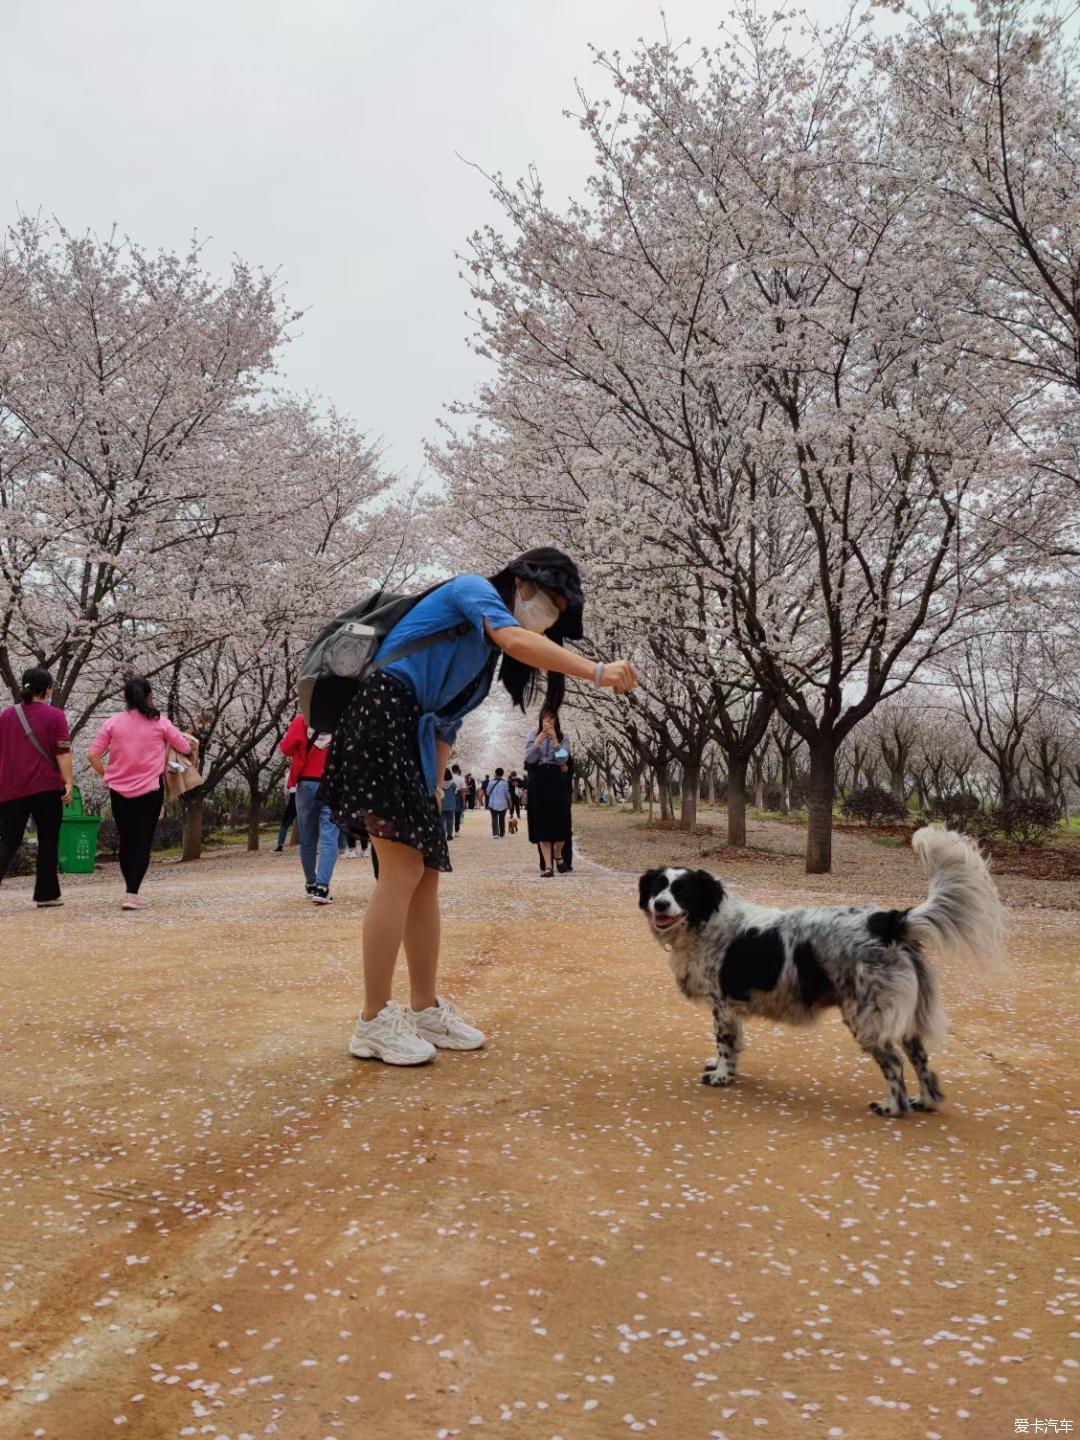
[{"x": 728, "y": 1031}]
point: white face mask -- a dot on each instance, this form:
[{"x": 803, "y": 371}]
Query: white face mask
[{"x": 538, "y": 613}]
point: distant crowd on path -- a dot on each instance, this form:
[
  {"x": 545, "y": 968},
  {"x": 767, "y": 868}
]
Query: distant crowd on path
[{"x": 383, "y": 776}]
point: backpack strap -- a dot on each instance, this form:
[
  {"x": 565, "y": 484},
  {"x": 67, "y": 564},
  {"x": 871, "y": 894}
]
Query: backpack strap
[
  {"x": 454, "y": 633},
  {"x": 25, "y": 723}
]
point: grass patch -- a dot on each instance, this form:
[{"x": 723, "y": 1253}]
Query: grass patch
[{"x": 891, "y": 842}]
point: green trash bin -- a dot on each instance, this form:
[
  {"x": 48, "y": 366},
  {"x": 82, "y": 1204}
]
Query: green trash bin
[{"x": 78, "y": 838}]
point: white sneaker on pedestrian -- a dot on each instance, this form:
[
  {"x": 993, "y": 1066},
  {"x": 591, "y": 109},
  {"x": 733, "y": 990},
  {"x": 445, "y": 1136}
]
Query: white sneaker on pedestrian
[
  {"x": 444, "y": 1028},
  {"x": 390, "y": 1037}
]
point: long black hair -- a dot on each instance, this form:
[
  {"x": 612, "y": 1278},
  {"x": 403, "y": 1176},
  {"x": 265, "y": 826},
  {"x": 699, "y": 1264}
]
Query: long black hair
[
  {"x": 553, "y": 570},
  {"x": 36, "y": 683},
  {"x": 137, "y": 697}
]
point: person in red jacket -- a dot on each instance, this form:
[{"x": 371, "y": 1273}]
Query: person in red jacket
[{"x": 318, "y": 833}]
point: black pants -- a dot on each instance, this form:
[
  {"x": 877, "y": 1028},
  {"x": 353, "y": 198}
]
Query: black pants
[
  {"x": 136, "y": 819},
  {"x": 498, "y": 822},
  {"x": 287, "y": 821},
  {"x": 457, "y": 818},
  {"x": 46, "y": 809},
  {"x": 515, "y": 806}
]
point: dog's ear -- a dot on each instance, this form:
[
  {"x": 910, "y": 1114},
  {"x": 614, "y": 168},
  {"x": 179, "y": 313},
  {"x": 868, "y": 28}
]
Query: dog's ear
[
  {"x": 645, "y": 887},
  {"x": 701, "y": 896}
]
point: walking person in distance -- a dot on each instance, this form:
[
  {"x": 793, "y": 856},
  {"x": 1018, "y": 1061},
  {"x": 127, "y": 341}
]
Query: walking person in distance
[
  {"x": 319, "y": 836},
  {"x": 459, "y": 791},
  {"x": 287, "y": 818},
  {"x": 391, "y": 748},
  {"x": 515, "y": 784},
  {"x": 129, "y": 753},
  {"x": 498, "y": 804},
  {"x": 449, "y": 804},
  {"x": 547, "y": 759},
  {"x": 35, "y": 780}
]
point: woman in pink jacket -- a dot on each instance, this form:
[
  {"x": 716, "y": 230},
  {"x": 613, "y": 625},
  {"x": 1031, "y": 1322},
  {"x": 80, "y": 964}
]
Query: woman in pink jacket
[{"x": 136, "y": 742}]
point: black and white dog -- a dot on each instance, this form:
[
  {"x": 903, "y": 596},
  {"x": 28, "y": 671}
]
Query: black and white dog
[{"x": 747, "y": 959}]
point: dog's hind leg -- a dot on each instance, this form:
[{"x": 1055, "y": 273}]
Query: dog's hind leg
[
  {"x": 896, "y": 1100},
  {"x": 930, "y": 1091},
  {"x": 728, "y": 1031}
]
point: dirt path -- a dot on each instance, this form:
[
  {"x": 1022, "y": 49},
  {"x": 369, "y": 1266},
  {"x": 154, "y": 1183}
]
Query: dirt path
[{"x": 213, "y": 1222}]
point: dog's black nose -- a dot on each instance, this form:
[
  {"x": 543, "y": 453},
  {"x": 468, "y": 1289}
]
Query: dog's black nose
[{"x": 661, "y": 905}]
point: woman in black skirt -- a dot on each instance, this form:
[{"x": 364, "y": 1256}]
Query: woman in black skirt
[
  {"x": 547, "y": 760},
  {"x": 390, "y": 750}
]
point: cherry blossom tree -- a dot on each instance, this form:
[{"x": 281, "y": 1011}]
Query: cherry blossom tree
[
  {"x": 743, "y": 357},
  {"x": 125, "y": 378},
  {"x": 162, "y": 508},
  {"x": 989, "y": 105}
]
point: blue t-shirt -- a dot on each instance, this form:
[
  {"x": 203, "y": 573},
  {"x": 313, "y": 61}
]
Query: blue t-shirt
[
  {"x": 444, "y": 672},
  {"x": 498, "y": 795}
]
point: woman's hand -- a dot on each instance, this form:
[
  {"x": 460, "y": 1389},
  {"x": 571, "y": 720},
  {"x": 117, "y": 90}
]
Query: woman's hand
[
  {"x": 68, "y": 793},
  {"x": 620, "y": 676}
]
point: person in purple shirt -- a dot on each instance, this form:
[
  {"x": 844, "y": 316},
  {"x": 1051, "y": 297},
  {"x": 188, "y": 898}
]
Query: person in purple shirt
[
  {"x": 35, "y": 780},
  {"x": 390, "y": 751}
]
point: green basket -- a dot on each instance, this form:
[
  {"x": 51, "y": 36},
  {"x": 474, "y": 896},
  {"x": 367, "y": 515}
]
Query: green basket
[{"x": 78, "y": 838}]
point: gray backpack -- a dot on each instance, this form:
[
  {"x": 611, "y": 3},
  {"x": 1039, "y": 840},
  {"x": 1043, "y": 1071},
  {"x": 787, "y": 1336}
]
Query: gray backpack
[{"x": 343, "y": 652}]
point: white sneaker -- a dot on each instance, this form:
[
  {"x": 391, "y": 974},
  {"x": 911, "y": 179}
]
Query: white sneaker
[
  {"x": 444, "y": 1027},
  {"x": 390, "y": 1037}
]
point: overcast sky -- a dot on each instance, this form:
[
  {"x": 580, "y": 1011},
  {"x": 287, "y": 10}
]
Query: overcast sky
[{"x": 317, "y": 138}]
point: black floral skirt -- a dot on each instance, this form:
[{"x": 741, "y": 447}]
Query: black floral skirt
[{"x": 374, "y": 779}]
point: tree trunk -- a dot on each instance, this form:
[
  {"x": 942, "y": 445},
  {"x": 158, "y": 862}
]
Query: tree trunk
[
  {"x": 1006, "y": 780},
  {"x": 663, "y": 786},
  {"x": 736, "y": 801},
  {"x": 822, "y": 789},
  {"x": 635, "y": 792},
  {"x": 896, "y": 781},
  {"x": 254, "y": 818},
  {"x": 193, "y": 825},
  {"x": 691, "y": 782},
  {"x": 652, "y": 797}
]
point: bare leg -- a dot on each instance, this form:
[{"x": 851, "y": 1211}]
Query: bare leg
[
  {"x": 401, "y": 869},
  {"x": 728, "y": 1032},
  {"x": 930, "y": 1091},
  {"x": 422, "y": 933},
  {"x": 896, "y": 1100},
  {"x": 545, "y": 853}
]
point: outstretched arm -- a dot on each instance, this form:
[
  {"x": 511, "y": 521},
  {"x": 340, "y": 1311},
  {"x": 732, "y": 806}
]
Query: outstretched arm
[{"x": 541, "y": 653}]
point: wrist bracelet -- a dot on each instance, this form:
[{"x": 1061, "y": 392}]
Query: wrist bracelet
[{"x": 598, "y": 675}]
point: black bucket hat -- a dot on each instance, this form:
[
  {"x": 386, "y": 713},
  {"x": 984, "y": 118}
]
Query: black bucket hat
[{"x": 555, "y": 571}]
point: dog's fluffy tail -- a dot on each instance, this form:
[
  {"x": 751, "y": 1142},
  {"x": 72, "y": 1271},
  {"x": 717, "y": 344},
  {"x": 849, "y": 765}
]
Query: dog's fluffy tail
[{"x": 962, "y": 912}]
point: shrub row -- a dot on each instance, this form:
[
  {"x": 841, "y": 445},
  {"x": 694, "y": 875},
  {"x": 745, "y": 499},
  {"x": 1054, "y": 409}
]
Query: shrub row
[{"x": 1028, "y": 820}]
